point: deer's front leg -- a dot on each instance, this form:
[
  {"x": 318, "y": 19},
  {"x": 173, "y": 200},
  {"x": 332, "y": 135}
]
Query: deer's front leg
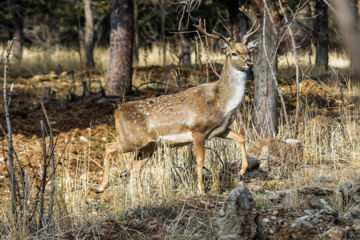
[
  {"x": 199, "y": 145},
  {"x": 232, "y": 135}
]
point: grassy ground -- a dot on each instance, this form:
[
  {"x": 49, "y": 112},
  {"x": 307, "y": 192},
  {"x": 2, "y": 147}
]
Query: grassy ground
[{"x": 172, "y": 209}]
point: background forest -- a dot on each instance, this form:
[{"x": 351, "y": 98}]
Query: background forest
[{"x": 73, "y": 62}]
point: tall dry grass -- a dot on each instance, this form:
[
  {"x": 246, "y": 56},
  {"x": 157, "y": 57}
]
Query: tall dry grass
[{"x": 170, "y": 176}]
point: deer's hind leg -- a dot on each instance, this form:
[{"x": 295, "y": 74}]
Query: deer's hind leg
[
  {"x": 142, "y": 157},
  {"x": 110, "y": 148}
]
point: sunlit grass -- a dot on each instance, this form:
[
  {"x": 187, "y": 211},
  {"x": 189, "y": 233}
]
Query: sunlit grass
[{"x": 170, "y": 176}]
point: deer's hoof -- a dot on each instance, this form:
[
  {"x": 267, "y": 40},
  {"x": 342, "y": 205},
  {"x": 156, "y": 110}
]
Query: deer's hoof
[
  {"x": 242, "y": 172},
  {"x": 99, "y": 190},
  {"x": 125, "y": 173}
]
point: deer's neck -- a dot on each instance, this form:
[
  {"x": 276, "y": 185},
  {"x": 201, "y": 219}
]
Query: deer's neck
[{"x": 232, "y": 86}]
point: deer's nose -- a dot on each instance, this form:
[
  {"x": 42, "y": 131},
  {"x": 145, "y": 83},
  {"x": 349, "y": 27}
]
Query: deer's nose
[{"x": 249, "y": 64}]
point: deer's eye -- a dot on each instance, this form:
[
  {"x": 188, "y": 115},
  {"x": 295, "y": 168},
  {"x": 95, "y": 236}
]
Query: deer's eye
[{"x": 234, "y": 54}]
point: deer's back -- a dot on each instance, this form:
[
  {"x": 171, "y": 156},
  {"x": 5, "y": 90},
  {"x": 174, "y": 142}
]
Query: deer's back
[{"x": 172, "y": 117}]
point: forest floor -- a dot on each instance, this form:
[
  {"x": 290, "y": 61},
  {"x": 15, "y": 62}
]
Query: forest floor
[{"x": 83, "y": 125}]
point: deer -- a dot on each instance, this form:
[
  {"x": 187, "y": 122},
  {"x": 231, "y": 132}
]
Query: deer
[{"x": 191, "y": 116}]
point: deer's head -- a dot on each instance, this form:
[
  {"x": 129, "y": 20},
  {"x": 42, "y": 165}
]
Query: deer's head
[{"x": 238, "y": 52}]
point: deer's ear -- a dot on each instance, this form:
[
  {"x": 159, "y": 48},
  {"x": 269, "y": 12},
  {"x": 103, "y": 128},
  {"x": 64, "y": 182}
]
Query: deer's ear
[
  {"x": 223, "y": 45},
  {"x": 253, "y": 44}
]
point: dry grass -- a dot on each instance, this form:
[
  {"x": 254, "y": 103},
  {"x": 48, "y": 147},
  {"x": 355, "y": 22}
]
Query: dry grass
[
  {"x": 169, "y": 179},
  {"x": 68, "y": 59},
  {"x": 336, "y": 60}
]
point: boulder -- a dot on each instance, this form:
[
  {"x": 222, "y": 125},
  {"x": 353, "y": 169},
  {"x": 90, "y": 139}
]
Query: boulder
[
  {"x": 238, "y": 218},
  {"x": 259, "y": 174},
  {"x": 311, "y": 202},
  {"x": 254, "y": 163},
  {"x": 287, "y": 197},
  {"x": 313, "y": 218},
  {"x": 318, "y": 191}
]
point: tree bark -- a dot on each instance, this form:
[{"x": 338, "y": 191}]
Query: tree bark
[
  {"x": 238, "y": 19},
  {"x": 185, "y": 48},
  {"x": 18, "y": 43},
  {"x": 266, "y": 117},
  {"x": 121, "y": 47},
  {"x": 321, "y": 35},
  {"x": 89, "y": 34},
  {"x": 18, "y": 32},
  {"x": 163, "y": 15},
  {"x": 356, "y": 11},
  {"x": 136, "y": 31}
]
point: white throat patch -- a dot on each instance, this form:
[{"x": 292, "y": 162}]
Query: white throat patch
[{"x": 238, "y": 80}]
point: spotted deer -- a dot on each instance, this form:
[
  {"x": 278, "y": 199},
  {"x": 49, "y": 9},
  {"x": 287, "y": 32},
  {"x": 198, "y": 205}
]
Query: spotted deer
[{"x": 191, "y": 116}]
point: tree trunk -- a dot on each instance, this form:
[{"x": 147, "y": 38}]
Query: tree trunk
[
  {"x": 356, "y": 11},
  {"x": 321, "y": 35},
  {"x": 18, "y": 43},
  {"x": 121, "y": 44},
  {"x": 163, "y": 15},
  {"x": 238, "y": 19},
  {"x": 266, "y": 117},
  {"x": 89, "y": 34},
  {"x": 185, "y": 48},
  {"x": 136, "y": 31},
  {"x": 18, "y": 25}
]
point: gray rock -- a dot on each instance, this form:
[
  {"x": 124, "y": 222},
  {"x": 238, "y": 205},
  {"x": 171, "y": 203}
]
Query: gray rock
[
  {"x": 238, "y": 218},
  {"x": 314, "y": 218},
  {"x": 286, "y": 198},
  {"x": 324, "y": 178},
  {"x": 312, "y": 202},
  {"x": 256, "y": 174},
  {"x": 325, "y": 215},
  {"x": 335, "y": 233},
  {"x": 254, "y": 163},
  {"x": 301, "y": 224},
  {"x": 309, "y": 212},
  {"x": 307, "y": 190},
  {"x": 326, "y": 204},
  {"x": 353, "y": 215}
]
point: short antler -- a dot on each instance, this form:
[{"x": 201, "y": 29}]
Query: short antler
[
  {"x": 250, "y": 32},
  {"x": 216, "y": 35}
]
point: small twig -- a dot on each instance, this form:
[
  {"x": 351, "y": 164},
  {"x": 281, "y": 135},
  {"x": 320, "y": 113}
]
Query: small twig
[
  {"x": 270, "y": 17},
  {"x": 342, "y": 101},
  {"x": 44, "y": 173},
  {"x": 199, "y": 57},
  {"x": 207, "y": 56},
  {"x": 8, "y": 123},
  {"x": 51, "y": 148},
  {"x": 331, "y": 7}
]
